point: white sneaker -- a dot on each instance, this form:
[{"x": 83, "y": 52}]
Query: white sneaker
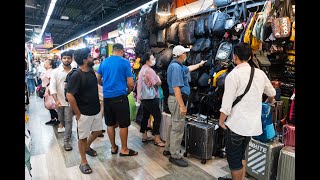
[{"x": 60, "y": 130}]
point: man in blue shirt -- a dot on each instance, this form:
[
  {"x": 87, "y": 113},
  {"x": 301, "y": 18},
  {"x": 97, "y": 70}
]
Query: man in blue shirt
[
  {"x": 114, "y": 74},
  {"x": 179, "y": 90}
]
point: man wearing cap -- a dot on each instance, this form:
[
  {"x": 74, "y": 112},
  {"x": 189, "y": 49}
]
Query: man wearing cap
[
  {"x": 114, "y": 74},
  {"x": 179, "y": 90}
]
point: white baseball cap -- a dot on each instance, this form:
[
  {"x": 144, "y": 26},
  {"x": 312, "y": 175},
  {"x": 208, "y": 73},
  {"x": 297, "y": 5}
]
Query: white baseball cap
[{"x": 179, "y": 50}]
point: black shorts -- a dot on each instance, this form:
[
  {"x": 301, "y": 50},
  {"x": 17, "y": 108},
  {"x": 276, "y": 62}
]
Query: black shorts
[
  {"x": 117, "y": 110},
  {"x": 235, "y": 149}
]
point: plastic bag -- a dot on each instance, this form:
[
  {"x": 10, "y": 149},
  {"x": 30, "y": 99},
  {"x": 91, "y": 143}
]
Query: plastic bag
[{"x": 132, "y": 106}]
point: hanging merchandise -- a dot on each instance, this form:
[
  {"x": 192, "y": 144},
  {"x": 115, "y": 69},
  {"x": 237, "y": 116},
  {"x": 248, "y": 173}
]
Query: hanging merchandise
[
  {"x": 186, "y": 32},
  {"x": 220, "y": 3},
  {"x": 281, "y": 25},
  {"x": 172, "y": 34}
]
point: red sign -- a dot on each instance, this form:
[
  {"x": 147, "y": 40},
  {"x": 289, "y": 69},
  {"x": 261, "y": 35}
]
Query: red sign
[{"x": 47, "y": 40}]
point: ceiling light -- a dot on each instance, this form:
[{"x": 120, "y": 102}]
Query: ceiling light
[
  {"x": 64, "y": 17},
  {"x": 113, "y": 20},
  {"x": 51, "y": 7}
]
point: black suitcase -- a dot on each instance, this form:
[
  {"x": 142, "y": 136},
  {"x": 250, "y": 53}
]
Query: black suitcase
[{"x": 199, "y": 139}]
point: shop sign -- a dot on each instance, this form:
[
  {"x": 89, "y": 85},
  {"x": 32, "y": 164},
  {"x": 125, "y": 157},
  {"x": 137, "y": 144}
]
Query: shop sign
[
  {"x": 41, "y": 51},
  {"x": 113, "y": 34},
  {"x": 48, "y": 41}
]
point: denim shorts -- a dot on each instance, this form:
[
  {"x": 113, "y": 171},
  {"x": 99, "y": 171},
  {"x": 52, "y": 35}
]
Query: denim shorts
[{"x": 235, "y": 149}]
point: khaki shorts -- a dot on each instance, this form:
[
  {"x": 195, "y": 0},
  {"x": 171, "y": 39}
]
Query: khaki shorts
[{"x": 86, "y": 124}]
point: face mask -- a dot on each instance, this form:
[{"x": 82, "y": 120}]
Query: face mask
[
  {"x": 96, "y": 67},
  {"x": 153, "y": 62},
  {"x": 90, "y": 64}
]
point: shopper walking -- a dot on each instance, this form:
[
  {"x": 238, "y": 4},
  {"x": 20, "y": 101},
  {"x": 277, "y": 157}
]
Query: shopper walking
[
  {"x": 244, "y": 119},
  {"x": 82, "y": 94},
  {"x": 114, "y": 74},
  {"x": 45, "y": 83},
  {"x": 147, "y": 91},
  {"x": 57, "y": 86},
  {"x": 179, "y": 90}
]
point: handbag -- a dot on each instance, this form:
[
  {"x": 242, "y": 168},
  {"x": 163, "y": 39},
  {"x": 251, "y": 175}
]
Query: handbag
[
  {"x": 147, "y": 92},
  {"x": 281, "y": 26}
]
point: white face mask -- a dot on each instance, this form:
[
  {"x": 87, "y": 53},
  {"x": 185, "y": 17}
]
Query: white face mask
[{"x": 153, "y": 62}]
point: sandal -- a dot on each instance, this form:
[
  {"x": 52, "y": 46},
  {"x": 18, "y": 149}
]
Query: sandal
[
  {"x": 131, "y": 153},
  {"x": 85, "y": 168},
  {"x": 146, "y": 140},
  {"x": 67, "y": 146},
  {"x": 116, "y": 151},
  {"x": 91, "y": 152},
  {"x": 160, "y": 144}
]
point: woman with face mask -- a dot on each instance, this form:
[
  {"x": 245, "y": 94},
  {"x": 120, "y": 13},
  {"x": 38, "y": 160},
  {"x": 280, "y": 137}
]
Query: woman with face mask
[{"x": 148, "y": 95}]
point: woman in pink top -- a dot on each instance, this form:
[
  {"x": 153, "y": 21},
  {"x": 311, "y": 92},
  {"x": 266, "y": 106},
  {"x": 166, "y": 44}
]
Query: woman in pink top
[
  {"x": 150, "y": 104},
  {"x": 45, "y": 83}
]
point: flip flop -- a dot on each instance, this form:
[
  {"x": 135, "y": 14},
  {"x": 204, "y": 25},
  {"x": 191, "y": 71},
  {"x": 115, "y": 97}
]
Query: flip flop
[
  {"x": 85, "y": 168},
  {"x": 115, "y": 152},
  {"x": 158, "y": 144},
  {"x": 91, "y": 152},
  {"x": 131, "y": 153}
]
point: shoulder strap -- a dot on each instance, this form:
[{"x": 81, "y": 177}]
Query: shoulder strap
[{"x": 238, "y": 99}]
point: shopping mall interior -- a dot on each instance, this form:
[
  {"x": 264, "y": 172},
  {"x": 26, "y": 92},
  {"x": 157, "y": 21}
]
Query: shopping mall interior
[{"x": 203, "y": 36}]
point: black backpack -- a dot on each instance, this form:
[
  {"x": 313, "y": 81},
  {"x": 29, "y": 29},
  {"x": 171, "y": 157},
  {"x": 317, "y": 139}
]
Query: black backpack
[{"x": 83, "y": 79}]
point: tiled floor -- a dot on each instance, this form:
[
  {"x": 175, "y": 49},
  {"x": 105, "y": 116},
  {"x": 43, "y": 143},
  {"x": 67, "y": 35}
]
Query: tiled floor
[{"x": 50, "y": 161}]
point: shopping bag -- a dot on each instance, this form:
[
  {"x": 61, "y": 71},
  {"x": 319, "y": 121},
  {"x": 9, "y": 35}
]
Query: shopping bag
[{"x": 132, "y": 106}]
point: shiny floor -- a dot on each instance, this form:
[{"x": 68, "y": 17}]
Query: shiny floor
[{"x": 50, "y": 161}]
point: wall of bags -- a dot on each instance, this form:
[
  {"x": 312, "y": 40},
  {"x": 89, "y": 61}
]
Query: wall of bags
[{"x": 211, "y": 36}]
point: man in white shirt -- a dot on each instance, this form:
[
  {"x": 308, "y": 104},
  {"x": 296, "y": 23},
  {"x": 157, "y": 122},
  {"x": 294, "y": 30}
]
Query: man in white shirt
[
  {"x": 57, "y": 86},
  {"x": 244, "y": 119}
]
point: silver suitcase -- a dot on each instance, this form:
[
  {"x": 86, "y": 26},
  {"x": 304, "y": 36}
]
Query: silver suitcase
[
  {"x": 286, "y": 164},
  {"x": 262, "y": 159},
  {"x": 165, "y": 121}
]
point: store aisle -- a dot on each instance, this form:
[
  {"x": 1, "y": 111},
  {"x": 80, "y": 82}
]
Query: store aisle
[{"x": 50, "y": 161}]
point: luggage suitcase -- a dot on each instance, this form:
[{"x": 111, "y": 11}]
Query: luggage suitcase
[
  {"x": 286, "y": 164},
  {"x": 289, "y": 135},
  {"x": 165, "y": 121},
  {"x": 199, "y": 139},
  {"x": 262, "y": 159}
]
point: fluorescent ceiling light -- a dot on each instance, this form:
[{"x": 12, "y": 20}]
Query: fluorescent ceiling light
[
  {"x": 51, "y": 7},
  {"x": 113, "y": 20},
  {"x": 64, "y": 17}
]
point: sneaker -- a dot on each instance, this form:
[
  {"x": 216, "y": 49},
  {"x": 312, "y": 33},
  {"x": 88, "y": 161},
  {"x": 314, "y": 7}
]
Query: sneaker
[
  {"x": 60, "y": 130},
  {"x": 51, "y": 122},
  {"x": 179, "y": 162},
  {"x": 166, "y": 153}
]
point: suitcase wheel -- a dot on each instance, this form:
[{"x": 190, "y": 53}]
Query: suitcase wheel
[
  {"x": 203, "y": 161},
  {"x": 185, "y": 154}
]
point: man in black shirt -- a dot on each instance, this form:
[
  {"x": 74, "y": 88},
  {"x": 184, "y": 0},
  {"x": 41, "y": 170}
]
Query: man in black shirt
[{"x": 82, "y": 94}]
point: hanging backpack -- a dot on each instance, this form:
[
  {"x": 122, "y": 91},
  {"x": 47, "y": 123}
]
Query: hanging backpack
[
  {"x": 224, "y": 51},
  {"x": 172, "y": 34},
  {"x": 186, "y": 32}
]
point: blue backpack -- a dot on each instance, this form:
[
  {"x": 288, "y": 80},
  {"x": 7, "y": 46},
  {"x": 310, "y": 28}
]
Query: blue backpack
[{"x": 268, "y": 131}]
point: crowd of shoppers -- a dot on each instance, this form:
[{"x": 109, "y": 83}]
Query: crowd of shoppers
[{"x": 98, "y": 90}]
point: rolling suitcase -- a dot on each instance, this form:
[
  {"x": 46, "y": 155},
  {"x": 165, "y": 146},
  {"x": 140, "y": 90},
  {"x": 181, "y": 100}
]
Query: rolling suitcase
[
  {"x": 286, "y": 164},
  {"x": 166, "y": 118},
  {"x": 289, "y": 135},
  {"x": 262, "y": 159},
  {"x": 199, "y": 139}
]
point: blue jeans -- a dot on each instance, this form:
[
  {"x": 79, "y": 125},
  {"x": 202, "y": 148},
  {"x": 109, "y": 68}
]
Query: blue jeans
[{"x": 31, "y": 85}]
